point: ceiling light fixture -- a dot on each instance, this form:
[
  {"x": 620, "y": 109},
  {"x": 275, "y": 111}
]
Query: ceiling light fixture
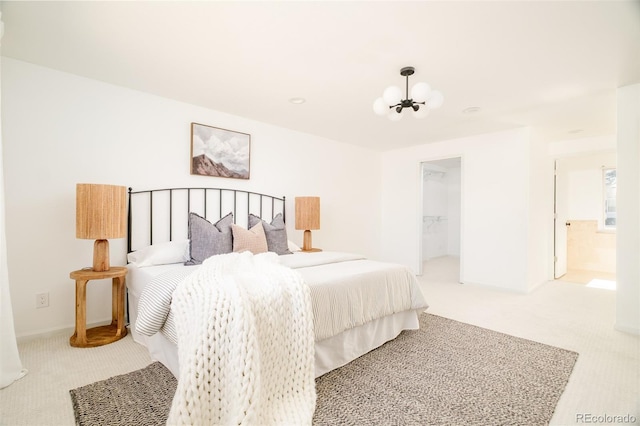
[
  {"x": 297, "y": 101},
  {"x": 423, "y": 99}
]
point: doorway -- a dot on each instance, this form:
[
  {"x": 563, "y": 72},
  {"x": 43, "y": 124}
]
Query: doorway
[
  {"x": 585, "y": 239},
  {"x": 441, "y": 220}
]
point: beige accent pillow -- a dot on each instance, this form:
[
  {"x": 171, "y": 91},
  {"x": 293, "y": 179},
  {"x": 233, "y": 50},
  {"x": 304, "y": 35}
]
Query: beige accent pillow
[{"x": 253, "y": 239}]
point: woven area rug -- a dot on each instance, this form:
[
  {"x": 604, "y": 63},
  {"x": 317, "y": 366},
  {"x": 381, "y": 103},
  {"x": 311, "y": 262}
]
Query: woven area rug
[{"x": 446, "y": 373}]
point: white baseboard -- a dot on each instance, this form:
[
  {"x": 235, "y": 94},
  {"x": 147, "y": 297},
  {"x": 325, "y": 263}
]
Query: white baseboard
[
  {"x": 55, "y": 331},
  {"x": 627, "y": 329}
]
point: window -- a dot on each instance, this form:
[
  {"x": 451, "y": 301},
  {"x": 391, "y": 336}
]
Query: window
[{"x": 610, "y": 184}]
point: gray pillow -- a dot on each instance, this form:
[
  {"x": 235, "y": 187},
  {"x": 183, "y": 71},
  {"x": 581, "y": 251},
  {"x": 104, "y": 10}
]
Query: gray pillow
[
  {"x": 276, "y": 233},
  {"x": 207, "y": 239}
]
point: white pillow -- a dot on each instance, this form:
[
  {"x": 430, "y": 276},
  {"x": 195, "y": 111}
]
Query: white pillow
[
  {"x": 293, "y": 246},
  {"x": 161, "y": 254}
]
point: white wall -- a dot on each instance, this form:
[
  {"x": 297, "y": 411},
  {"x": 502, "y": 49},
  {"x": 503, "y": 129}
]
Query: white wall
[
  {"x": 628, "y": 211},
  {"x": 540, "y": 213},
  {"x": 495, "y": 206},
  {"x": 454, "y": 207},
  {"x": 579, "y": 146},
  {"x": 60, "y": 129}
]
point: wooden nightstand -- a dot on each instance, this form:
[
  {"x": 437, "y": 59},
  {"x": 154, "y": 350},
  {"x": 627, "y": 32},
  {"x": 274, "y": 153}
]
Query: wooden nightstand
[
  {"x": 98, "y": 336},
  {"x": 311, "y": 250}
]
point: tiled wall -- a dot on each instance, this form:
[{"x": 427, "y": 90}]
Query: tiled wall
[{"x": 588, "y": 249}]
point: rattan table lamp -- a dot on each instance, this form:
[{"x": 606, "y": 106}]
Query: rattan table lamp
[
  {"x": 307, "y": 218},
  {"x": 101, "y": 213}
]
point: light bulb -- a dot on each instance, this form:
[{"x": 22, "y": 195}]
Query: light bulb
[
  {"x": 435, "y": 99},
  {"x": 422, "y": 112},
  {"x": 392, "y": 95},
  {"x": 420, "y": 92},
  {"x": 395, "y": 116},
  {"x": 380, "y": 107}
]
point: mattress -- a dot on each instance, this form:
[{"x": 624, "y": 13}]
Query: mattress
[{"x": 358, "y": 305}]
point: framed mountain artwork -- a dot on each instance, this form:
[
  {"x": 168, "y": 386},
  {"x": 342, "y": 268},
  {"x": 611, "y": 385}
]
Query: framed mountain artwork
[{"x": 219, "y": 152}]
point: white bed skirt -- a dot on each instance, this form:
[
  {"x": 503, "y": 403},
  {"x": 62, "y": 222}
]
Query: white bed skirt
[{"x": 330, "y": 354}]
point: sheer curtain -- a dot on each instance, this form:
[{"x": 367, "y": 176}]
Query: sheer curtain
[{"x": 10, "y": 364}]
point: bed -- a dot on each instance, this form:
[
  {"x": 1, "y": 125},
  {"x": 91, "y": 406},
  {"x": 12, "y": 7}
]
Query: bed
[{"x": 358, "y": 304}]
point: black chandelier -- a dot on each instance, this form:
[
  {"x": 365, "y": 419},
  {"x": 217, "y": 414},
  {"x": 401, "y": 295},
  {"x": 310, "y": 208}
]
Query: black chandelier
[{"x": 423, "y": 99}]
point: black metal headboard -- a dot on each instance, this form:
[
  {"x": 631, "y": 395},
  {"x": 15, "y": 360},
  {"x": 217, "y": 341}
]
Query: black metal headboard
[{"x": 162, "y": 214}]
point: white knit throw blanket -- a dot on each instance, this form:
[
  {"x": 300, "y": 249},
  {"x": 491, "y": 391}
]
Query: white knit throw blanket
[{"x": 245, "y": 344}]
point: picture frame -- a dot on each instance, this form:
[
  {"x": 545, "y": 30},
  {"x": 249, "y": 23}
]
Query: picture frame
[{"x": 220, "y": 152}]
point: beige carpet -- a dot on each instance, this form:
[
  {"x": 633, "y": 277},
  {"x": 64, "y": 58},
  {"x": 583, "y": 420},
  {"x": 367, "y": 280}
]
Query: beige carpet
[{"x": 446, "y": 373}]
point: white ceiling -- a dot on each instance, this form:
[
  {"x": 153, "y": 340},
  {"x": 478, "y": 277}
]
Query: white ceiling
[{"x": 553, "y": 65}]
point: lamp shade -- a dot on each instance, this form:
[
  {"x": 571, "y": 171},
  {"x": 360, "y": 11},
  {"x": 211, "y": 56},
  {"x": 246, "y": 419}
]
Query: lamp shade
[
  {"x": 420, "y": 92},
  {"x": 392, "y": 95},
  {"x": 380, "y": 107},
  {"x": 101, "y": 211},
  {"x": 307, "y": 213}
]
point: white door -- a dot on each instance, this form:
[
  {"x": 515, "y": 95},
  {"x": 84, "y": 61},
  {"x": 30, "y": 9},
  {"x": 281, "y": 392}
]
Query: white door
[{"x": 561, "y": 219}]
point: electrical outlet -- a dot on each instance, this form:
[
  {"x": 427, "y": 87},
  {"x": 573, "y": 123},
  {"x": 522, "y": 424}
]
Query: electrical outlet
[{"x": 42, "y": 300}]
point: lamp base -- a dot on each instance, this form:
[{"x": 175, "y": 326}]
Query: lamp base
[
  {"x": 101, "y": 256},
  {"x": 306, "y": 241}
]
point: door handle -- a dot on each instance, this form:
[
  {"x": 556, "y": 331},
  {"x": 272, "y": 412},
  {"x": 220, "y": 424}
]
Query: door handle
[{"x": 568, "y": 223}]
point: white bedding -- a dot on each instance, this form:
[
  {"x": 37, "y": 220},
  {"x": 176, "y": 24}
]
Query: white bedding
[
  {"x": 358, "y": 304},
  {"x": 307, "y": 259},
  {"x": 348, "y": 290}
]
